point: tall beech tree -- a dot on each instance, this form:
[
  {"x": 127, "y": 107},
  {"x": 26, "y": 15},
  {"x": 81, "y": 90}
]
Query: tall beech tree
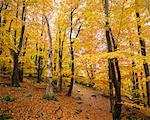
[
  {"x": 71, "y": 48},
  {"x": 49, "y": 88},
  {"x": 3, "y": 6},
  {"x": 113, "y": 65},
  {"x": 21, "y": 65},
  {"x": 15, "y": 54},
  {"x": 60, "y": 54},
  {"x": 39, "y": 58},
  {"x": 143, "y": 50}
]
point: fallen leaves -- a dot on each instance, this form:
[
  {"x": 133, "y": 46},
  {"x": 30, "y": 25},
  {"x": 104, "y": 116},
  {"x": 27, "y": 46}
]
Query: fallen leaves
[{"x": 29, "y": 105}]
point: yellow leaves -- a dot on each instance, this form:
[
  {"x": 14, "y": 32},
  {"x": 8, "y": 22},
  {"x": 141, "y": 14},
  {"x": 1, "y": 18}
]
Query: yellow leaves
[
  {"x": 72, "y": 3},
  {"x": 134, "y": 105}
]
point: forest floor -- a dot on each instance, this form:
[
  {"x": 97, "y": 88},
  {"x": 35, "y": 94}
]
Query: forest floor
[{"x": 28, "y": 103}]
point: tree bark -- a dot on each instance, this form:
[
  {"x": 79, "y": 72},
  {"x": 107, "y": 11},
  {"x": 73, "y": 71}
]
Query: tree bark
[
  {"x": 72, "y": 49},
  {"x": 15, "y": 76},
  {"x": 143, "y": 52},
  {"x": 39, "y": 70},
  {"x": 21, "y": 70},
  {"x": 71, "y": 53},
  {"x": 60, "y": 53},
  {"x": 115, "y": 77},
  {"x": 49, "y": 88},
  {"x": 72, "y": 70}
]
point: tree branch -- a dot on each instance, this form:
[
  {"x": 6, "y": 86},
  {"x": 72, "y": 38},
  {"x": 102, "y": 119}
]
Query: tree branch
[{"x": 79, "y": 29}]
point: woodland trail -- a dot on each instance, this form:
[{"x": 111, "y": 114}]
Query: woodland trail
[
  {"x": 29, "y": 105},
  {"x": 92, "y": 97}
]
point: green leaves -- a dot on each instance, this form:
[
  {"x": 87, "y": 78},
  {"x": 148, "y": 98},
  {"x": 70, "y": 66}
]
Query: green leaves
[{"x": 9, "y": 98}]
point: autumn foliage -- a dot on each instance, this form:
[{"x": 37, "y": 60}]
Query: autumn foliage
[{"x": 52, "y": 46}]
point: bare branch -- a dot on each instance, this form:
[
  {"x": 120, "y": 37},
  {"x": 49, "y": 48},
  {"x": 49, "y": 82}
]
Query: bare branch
[{"x": 79, "y": 29}]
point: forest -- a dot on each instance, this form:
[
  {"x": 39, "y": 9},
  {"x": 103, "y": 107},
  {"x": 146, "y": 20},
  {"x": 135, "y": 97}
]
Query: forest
[{"x": 75, "y": 59}]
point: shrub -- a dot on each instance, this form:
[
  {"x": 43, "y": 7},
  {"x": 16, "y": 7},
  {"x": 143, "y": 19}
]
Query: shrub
[{"x": 9, "y": 98}]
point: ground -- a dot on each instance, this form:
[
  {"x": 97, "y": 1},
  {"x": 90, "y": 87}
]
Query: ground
[{"x": 28, "y": 103}]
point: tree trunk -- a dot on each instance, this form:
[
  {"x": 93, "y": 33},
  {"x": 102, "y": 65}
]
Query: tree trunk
[
  {"x": 60, "y": 72},
  {"x": 148, "y": 92},
  {"x": 60, "y": 54},
  {"x": 49, "y": 89},
  {"x": 117, "y": 106},
  {"x": 39, "y": 71},
  {"x": 112, "y": 73},
  {"x": 143, "y": 52},
  {"x": 72, "y": 72},
  {"x": 55, "y": 60},
  {"x": 72, "y": 50},
  {"x": 111, "y": 97},
  {"x": 15, "y": 76},
  {"x": 20, "y": 72},
  {"x": 72, "y": 55}
]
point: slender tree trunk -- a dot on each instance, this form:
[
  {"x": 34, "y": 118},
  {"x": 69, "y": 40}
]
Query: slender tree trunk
[
  {"x": 60, "y": 54},
  {"x": 39, "y": 70},
  {"x": 49, "y": 88},
  {"x": 60, "y": 73},
  {"x": 133, "y": 79},
  {"x": 143, "y": 53},
  {"x": 4, "y": 6},
  {"x": 21, "y": 70},
  {"x": 59, "y": 85},
  {"x": 72, "y": 50},
  {"x": 113, "y": 63},
  {"x": 110, "y": 88},
  {"x": 117, "y": 105},
  {"x": 142, "y": 85},
  {"x": 15, "y": 76},
  {"x": 109, "y": 45},
  {"x": 134, "y": 91},
  {"x": 1, "y": 8},
  {"x": 72, "y": 71},
  {"x": 72, "y": 54},
  {"x": 39, "y": 58},
  {"x": 55, "y": 60}
]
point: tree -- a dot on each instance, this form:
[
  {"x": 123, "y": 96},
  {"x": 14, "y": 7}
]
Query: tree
[
  {"x": 49, "y": 89},
  {"x": 143, "y": 50},
  {"x": 15, "y": 54},
  {"x": 113, "y": 62},
  {"x": 71, "y": 47}
]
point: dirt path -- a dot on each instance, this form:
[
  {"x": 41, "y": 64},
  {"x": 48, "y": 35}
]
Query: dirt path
[{"x": 92, "y": 97}]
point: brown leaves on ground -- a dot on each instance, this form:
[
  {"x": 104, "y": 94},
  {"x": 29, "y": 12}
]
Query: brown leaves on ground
[{"x": 29, "y": 105}]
